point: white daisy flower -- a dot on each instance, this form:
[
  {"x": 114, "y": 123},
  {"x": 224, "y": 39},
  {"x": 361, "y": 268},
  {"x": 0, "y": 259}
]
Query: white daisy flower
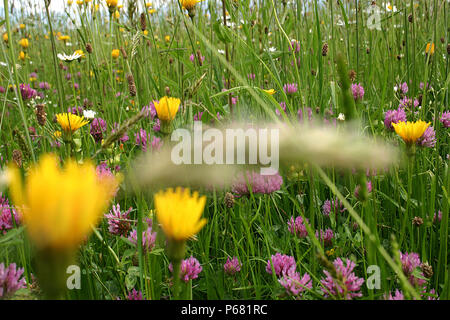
[
  {"x": 69, "y": 58},
  {"x": 341, "y": 117},
  {"x": 89, "y": 114}
]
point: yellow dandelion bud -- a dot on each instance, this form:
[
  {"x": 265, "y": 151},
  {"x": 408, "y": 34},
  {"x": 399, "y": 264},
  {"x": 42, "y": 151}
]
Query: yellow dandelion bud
[
  {"x": 167, "y": 108},
  {"x": 115, "y": 53},
  {"x": 430, "y": 48},
  {"x": 24, "y": 43},
  {"x": 410, "y": 132},
  {"x": 179, "y": 213}
]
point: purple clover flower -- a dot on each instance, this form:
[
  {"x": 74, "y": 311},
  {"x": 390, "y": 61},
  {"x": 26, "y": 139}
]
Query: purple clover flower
[
  {"x": 357, "y": 91},
  {"x": 290, "y": 88},
  {"x": 349, "y": 285},
  {"x": 428, "y": 139},
  {"x": 190, "y": 269},
  {"x": 135, "y": 295},
  {"x": 6, "y": 215},
  {"x": 410, "y": 262},
  {"x": 336, "y": 205},
  {"x": 394, "y": 116},
  {"x": 297, "y": 227},
  {"x": 281, "y": 263},
  {"x": 445, "y": 119},
  {"x": 358, "y": 187},
  {"x": 294, "y": 284},
  {"x": 27, "y": 92},
  {"x": 325, "y": 236},
  {"x": 263, "y": 184},
  {"x": 98, "y": 127},
  {"x": 408, "y": 103},
  {"x": 233, "y": 266},
  {"x": 11, "y": 280},
  {"x": 148, "y": 237},
  {"x": 118, "y": 221},
  {"x": 44, "y": 85}
]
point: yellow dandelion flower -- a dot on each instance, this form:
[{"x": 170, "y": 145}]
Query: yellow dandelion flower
[
  {"x": 270, "y": 91},
  {"x": 70, "y": 122},
  {"x": 179, "y": 213},
  {"x": 189, "y": 4},
  {"x": 115, "y": 53},
  {"x": 410, "y": 131},
  {"x": 167, "y": 108},
  {"x": 116, "y": 14},
  {"x": 152, "y": 11},
  {"x": 80, "y": 2},
  {"x": 59, "y": 205},
  {"x": 167, "y": 38},
  {"x": 24, "y": 43},
  {"x": 64, "y": 38},
  {"x": 69, "y": 2},
  {"x": 22, "y": 26},
  {"x": 5, "y": 37},
  {"x": 80, "y": 52},
  {"x": 148, "y": 4},
  {"x": 430, "y": 48},
  {"x": 22, "y": 55},
  {"x": 111, "y": 3}
]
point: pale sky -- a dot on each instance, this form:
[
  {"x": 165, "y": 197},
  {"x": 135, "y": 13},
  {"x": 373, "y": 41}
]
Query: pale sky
[{"x": 58, "y": 5}]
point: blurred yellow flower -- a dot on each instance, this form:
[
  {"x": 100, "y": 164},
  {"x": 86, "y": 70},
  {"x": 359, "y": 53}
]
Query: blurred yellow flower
[
  {"x": 111, "y": 3},
  {"x": 189, "y": 4},
  {"x": 430, "y": 48},
  {"x": 70, "y": 122},
  {"x": 24, "y": 43},
  {"x": 270, "y": 91},
  {"x": 148, "y": 4},
  {"x": 167, "y": 108},
  {"x": 167, "y": 38},
  {"x": 5, "y": 37},
  {"x": 179, "y": 213},
  {"x": 145, "y": 32},
  {"x": 116, "y": 14},
  {"x": 410, "y": 132},
  {"x": 115, "y": 53},
  {"x": 69, "y": 2},
  {"x": 59, "y": 205},
  {"x": 64, "y": 38},
  {"x": 152, "y": 11},
  {"x": 22, "y": 55},
  {"x": 22, "y": 26},
  {"x": 80, "y": 52},
  {"x": 80, "y": 2}
]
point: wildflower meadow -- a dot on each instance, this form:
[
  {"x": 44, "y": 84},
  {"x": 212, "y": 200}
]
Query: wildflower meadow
[{"x": 224, "y": 150}]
